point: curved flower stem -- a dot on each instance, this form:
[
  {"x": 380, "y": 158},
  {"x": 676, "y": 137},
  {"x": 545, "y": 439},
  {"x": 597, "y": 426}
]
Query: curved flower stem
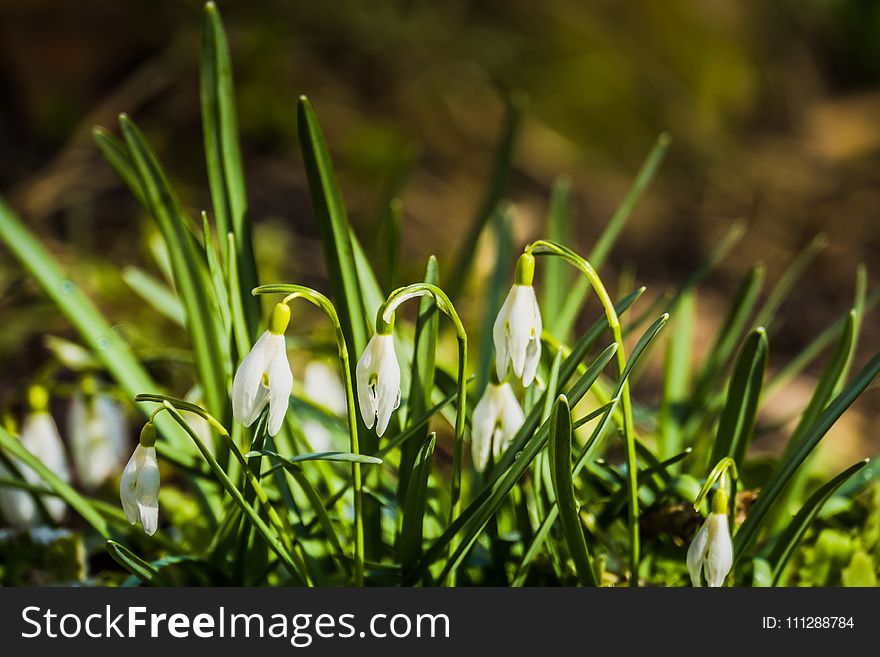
[
  {"x": 322, "y": 302},
  {"x": 545, "y": 247},
  {"x": 718, "y": 474},
  {"x": 290, "y": 552},
  {"x": 386, "y": 314}
]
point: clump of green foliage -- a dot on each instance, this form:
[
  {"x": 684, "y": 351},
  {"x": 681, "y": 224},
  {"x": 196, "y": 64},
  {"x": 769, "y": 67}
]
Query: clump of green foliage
[{"x": 596, "y": 486}]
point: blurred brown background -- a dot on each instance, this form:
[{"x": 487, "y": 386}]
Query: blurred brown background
[{"x": 772, "y": 106}]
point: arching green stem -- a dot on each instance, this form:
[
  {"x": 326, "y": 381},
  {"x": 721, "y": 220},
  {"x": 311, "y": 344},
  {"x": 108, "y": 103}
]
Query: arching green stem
[
  {"x": 322, "y": 302},
  {"x": 545, "y": 247},
  {"x": 386, "y": 314},
  {"x": 718, "y": 474}
]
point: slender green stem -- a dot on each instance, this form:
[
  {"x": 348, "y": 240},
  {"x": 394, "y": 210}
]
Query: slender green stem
[
  {"x": 386, "y": 314},
  {"x": 545, "y": 247},
  {"x": 322, "y": 302},
  {"x": 293, "y": 560}
]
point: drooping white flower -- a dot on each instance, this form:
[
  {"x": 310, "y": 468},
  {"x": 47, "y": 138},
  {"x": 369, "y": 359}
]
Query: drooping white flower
[
  {"x": 378, "y": 382},
  {"x": 264, "y": 376},
  {"x": 39, "y": 435},
  {"x": 711, "y": 552},
  {"x": 98, "y": 438},
  {"x": 322, "y": 385},
  {"x": 517, "y": 329},
  {"x": 139, "y": 486},
  {"x": 497, "y": 418}
]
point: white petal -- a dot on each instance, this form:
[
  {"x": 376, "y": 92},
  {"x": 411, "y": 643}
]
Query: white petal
[
  {"x": 697, "y": 553},
  {"x": 483, "y": 426},
  {"x": 17, "y": 506},
  {"x": 387, "y": 384},
  {"x": 499, "y": 336},
  {"x": 147, "y": 491},
  {"x": 128, "y": 485},
  {"x": 280, "y": 385},
  {"x": 512, "y": 418},
  {"x": 98, "y": 439},
  {"x": 533, "y": 351},
  {"x": 521, "y": 327},
  {"x": 39, "y": 434},
  {"x": 719, "y": 554},
  {"x": 248, "y": 393},
  {"x": 364, "y": 372}
]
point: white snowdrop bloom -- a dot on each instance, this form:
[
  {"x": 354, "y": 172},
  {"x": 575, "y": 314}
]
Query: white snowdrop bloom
[
  {"x": 378, "y": 382},
  {"x": 264, "y": 376},
  {"x": 322, "y": 385},
  {"x": 98, "y": 438},
  {"x": 39, "y": 435},
  {"x": 711, "y": 552},
  {"x": 497, "y": 418},
  {"x": 517, "y": 329},
  {"x": 139, "y": 486}
]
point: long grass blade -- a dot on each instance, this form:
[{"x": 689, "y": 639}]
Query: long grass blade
[
  {"x": 788, "y": 466},
  {"x": 559, "y": 449},
  {"x": 564, "y": 322},
  {"x": 223, "y": 159},
  {"x": 737, "y": 424},
  {"x": 498, "y": 182},
  {"x": 794, "y": 530},
  {"x": 190, "y": 271}
]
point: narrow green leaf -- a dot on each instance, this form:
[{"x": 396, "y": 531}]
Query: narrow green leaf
[
  {"x": 297, "y": 570},
  {"x": 794, "y": 530},
  {"x": 677, "y": 377},
  {"x": 498, "y": 182},
  {"x": 737, "y": 424},
  {"x": 116, "y": 155},
  {"x": 556, "y": 279},
  {"x": 590, "y": 446},
  {"x": 788, "y": 466},
  {"x": 190, "y": 271},
  {"x": 563, "y": 323},
  {"x": 134, "y": 564},
  {"x": 828, "y": 382},
  {"x": 409, "y": 547},
  {"x": 223, "y": 159},
  {"x": 525, "y": 446},
  {"x": 318, "y": 506},
  {"x": 333, "y": 225},
  {"x": 344, "y": 457},
  {"x": 669, "y": 302},
  {"x": 155, "y": 293},
  {"x": 421, "y": 380},
  {"x": 96, "y": 332},
  {"x": 816, "y": 346},
  {"x": 725, "y": 342},
  {"x": 787, "y": 281},
  {"x": 559, "y": 449}
]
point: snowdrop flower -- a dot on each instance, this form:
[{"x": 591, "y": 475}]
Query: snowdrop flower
[
  {"x": 517, "y": 329},
  {"x": 321, "y": 384},
  {"x": 98, "y": 436},
  {"x": 378, "y": 379},
  {"x": 139, "y": 486},
  {"x": 497, "y": 418},
  {"x": 264, "y": 376},
  {"x": 39, "y": 435},
  {"x": 711, "y": 551}
]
